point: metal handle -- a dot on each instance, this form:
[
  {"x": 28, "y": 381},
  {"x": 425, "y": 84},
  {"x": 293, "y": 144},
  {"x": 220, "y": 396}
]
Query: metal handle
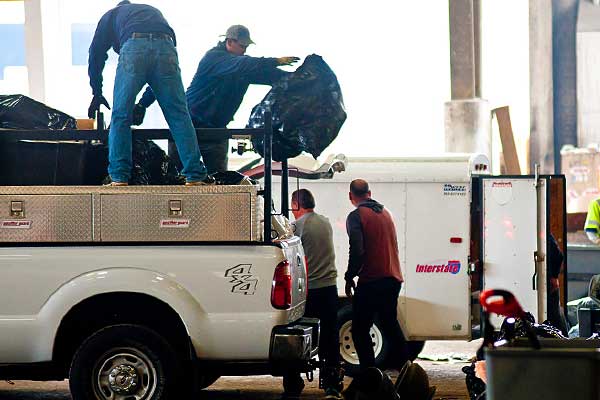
[
  {"x": 175, "y": 208},
  {"x": 17, "y": 209}
]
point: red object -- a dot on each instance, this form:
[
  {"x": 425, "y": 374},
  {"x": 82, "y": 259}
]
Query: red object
[
  {"x": 455, "y": 240},
  {"x": 501, "y": 302},
  {"x": 281, "y": 290}
]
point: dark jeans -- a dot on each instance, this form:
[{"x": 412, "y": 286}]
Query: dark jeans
[
  {"x": 214, "y": 153},
  {"x": 555, "y": 313},
  {"x": 322, "y": 303},
  {"x": 378, "y": 298}
]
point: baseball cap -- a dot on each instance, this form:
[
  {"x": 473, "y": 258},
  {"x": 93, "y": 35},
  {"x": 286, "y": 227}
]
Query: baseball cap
[{"x": 239, "y": 33}]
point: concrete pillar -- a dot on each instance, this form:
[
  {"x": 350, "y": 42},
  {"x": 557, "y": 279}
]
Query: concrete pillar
[
  {"x": 34, "y": 49},
  {"x": 541, "y": 146},
  {"x": 467, "y": 116},
  {"x": 47, "y": 50},
  {"x": 464, "y": 41},
  {"x": 468, "y": 126},
  {"x": 564, "y": 32}
]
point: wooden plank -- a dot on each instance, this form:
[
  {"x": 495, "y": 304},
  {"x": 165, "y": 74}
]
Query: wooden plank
[
  {"x": 509, "y": 150},
  {"x": 556, "y": 222}
]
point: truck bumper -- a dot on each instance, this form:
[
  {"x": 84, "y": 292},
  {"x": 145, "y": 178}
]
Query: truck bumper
[{"x": 293, "y": 346}]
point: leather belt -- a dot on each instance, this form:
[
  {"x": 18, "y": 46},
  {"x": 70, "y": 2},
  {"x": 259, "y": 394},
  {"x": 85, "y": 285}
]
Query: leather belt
[{"x": 143, "y": 35}]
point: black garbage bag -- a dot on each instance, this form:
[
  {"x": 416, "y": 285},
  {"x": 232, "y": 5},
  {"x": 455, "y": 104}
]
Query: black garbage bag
[
  {"x": 152, "y": 166},
  {"x": 21, "y": 112},
  {"x": 413, "y": 383},
  {"x": 308, "y": 111},
  {"x": 514, "y": 328},
  {"x": 475, "y": 386},
  {"x": 232, "y": 178}
]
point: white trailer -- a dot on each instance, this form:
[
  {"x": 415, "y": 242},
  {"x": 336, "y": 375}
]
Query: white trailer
[{"x": 460, "y": 229}]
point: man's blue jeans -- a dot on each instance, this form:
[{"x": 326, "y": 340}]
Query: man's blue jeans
[{"x": 153, "y": 61}]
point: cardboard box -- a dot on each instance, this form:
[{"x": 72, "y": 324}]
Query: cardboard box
[
  {"x": 85, "y": 124},
  {"x": 581, "y": 167}
]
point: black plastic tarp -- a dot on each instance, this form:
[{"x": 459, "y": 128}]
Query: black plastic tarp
[
  {"x": 308, "y": 111},
  {"x": 21, "y": 112}
]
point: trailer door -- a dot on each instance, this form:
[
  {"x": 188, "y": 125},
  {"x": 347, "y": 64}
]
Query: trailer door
[
  {"x": 437, "y": 302},
  {"x": 514, "y": 221}
]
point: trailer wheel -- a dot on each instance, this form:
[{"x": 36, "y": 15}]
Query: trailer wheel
[
  {"x": 380, "y": 344},
  {"x": 347, "y": 349},
  {"x": 125, "y": 362}
]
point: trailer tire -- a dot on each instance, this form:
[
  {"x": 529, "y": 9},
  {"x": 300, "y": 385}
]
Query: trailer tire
[
  {"x": 348, "y": 352},
  {"x": 129, "y": 361}
]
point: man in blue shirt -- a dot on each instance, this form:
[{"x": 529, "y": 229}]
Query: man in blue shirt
[
  {"x": 146, "y": 46},
  {"x": 218, "y": 87}
]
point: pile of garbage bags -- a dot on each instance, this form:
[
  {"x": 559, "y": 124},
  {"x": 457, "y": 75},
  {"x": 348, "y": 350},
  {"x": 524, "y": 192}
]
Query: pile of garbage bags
[
  {"x": 66, "y": 163},
  {"x": 21, "y": 112},
  {"x": 307, "y": 108}
]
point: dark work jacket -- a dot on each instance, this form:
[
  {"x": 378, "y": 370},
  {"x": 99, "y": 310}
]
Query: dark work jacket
[
  {"x": 373, "y": 244},
  {"x": 220, "y": 83},
  {"x": 115, "y": 28}
]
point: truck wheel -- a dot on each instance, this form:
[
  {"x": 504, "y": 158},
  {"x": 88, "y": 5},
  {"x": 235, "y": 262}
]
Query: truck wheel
[
  {"x": 125, "y": 362},
  {"x": 347, "y": 349}
]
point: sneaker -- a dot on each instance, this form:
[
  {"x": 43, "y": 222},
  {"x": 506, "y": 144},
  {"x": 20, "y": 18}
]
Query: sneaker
[
  {"x": 333, "y": 394},
  {"x": 113, "y": 183},
  {"x": 208, "y": 181}
]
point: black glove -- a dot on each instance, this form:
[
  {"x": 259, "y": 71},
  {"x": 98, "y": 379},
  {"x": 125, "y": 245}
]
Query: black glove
[
  {"x": 97, "y": 101},
  {"x": 139, "y": 112}
]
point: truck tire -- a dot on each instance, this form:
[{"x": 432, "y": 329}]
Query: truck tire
[
  {"x": 347, "y": 350},
  {"x": 380, "y": 344},
  {"x": 125, "y": 362}
]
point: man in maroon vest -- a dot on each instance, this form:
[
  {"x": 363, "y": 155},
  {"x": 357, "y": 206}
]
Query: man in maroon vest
[{"x": 374, "y": 259}]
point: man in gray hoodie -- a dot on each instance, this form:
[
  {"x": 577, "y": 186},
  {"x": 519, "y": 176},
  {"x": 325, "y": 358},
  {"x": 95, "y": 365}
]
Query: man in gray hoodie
[{"x": 317, "y": 239}]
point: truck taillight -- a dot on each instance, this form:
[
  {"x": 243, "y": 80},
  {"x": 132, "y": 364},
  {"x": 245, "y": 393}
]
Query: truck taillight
[{"x": 281, "y": 292}]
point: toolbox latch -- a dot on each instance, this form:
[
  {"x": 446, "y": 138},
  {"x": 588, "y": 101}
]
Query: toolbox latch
[
  {"x": 17, "y": 209},
  {"x": 175, "y": 208}
]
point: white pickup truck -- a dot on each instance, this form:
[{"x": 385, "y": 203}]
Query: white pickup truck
[{"x": 148, "y": 292}]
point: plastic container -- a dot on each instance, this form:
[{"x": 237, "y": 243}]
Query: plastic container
[{"x": 560, "y": 370}]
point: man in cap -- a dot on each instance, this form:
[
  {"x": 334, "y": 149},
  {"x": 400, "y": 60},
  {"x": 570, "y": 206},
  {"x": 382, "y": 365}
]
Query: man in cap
[
  {"x": 218, "y": 87},
  {"x": 146, "y": 46}
]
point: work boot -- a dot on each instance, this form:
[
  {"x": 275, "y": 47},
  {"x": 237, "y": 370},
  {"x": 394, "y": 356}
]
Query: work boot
[
  {"x": 331, "y": 377},
  {"x": 376, "y": 384},
  {"x": 333, "y": 394},
  {"x": 293, "y": 385},
  {"x": 113, "y": 183},
  {"x": 208, "y": 181}
]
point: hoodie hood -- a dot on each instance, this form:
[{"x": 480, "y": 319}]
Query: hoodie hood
[{"x": 373, "y": 205}]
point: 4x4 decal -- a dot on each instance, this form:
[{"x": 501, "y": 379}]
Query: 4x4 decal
[{"x": 242, "y": 279}]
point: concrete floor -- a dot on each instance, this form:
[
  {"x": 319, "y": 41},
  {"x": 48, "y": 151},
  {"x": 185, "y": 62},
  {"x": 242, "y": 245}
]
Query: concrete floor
[{"x": 448, "y": 378}]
